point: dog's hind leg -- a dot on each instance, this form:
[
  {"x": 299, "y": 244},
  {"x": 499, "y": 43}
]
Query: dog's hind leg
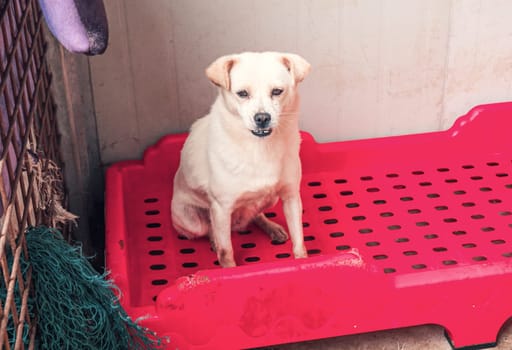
[
  {"x": 191, "y": 222},
  {"x": 275, "y": 231}
]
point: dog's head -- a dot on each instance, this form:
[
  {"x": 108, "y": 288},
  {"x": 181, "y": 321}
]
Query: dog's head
[{"x": 258, "y": 87}]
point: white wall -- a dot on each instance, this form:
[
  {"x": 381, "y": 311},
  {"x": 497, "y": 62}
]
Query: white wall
[{"x": 380, "y": 67}]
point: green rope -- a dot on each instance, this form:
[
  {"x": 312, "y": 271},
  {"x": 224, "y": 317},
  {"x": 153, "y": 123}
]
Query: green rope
[{"x": 76, "y": 307}]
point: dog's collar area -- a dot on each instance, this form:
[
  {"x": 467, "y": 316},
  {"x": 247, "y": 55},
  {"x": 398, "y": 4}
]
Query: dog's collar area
[{"x": 261, "y": 132}]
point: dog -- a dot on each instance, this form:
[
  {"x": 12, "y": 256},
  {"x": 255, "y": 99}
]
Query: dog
[{"x": 243, "y": 156}]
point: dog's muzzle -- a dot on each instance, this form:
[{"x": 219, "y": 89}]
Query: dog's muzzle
[{"x": 262, "y": 121}]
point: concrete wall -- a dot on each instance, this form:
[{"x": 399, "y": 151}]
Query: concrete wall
[{"x": 380, "y": 67}]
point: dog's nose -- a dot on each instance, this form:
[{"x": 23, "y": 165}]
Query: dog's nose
[{"x": 262, "y": 120}]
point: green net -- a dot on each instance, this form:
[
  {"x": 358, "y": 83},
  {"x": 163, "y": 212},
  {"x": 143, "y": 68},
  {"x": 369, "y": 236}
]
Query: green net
[{"x": 76, "y": 307}]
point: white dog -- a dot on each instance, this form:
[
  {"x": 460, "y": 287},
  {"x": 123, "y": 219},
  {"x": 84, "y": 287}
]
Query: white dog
[{"x": 244, "y": 155}]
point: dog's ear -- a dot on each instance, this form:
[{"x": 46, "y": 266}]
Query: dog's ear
[
  {"x": 218, "y": 71},
  {"x": 296, "y": 65}
]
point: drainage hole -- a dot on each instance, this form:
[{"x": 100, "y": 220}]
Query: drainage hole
[
  {"x": 152, "y": 212},
  {"x": 314, "y": 183},
  {"x": 406, "y": 199},
  {"x": 252, "y": 259},
  {"x": 319, "y": 195},
  {"x": 431, "y": 236},
  {"x": 325, "y": 208},
  {"x": 495, "y": 201},
  {"x": 476, "y": 178},
  {"x": 274, "y": 242},
  {"x": 270, "y": 215},
  {"x": 485, "y": 189},
  {"x": 507, "y": 255},
  {"x": 419, "y": 266},
  {"x": 498, "y": 241},
  {"x": 182, "y": 238},
  {"x": 450, "y": 181},
  {"x": 389, "y": 270},
  {"x": 439, "y": 249},
  {"x": 187, "y": 251},
  {"x": 469, "y": 245},
  {"x": 450, "y": 220},
  {"x": 342, "y": 247},
  {"x": 459, "y": 233},
  {"x": 352, "y": 205},
  {"x": 394, "y": 227},
  {"x": 501, "y": 174},
  {"x": 156, "y": 252},
  {"x": 459, "y": 192},
  {"x": 402, "y": 240},
  {"x": 372, "y": 189},
  {"x": 468, "y": 204},
  {"x": 189, "y": 264},
  {"x": 216, "y": 263},
  {"x": 283, "y": 255},
  {"x": 493, "y": 164},
  {"x": 158, "y": 267},
  {"x": 372, "y": 244},
  {"x": 508, "y": 185},
  {"x": 422, "y": 223},
  {"x": 443, "y": 170},
  {"x": 305, "y": 224},
  {"x": 505, "y": 213},
  {"x": 441, "y": 207},
  {"x": 365, "y": 230},
  {"x": 477, "y": 216},
  {"x": 379, "y": 202},
  {"x": 467, "y": 167},
  {"x": 248, "y": 245},
  {"x": 336, "y": 234},
  {"x": 340, "y": 181},
  {"x": 359, "y": 218},
  {"x": 150, "y": 200},
  {"x": 425, "y": 183},
  {"x": 488, "y": 229},
  {"x": 410, "y": 253},
  {"x": 330, "y": 221},
  {"x": 449, "y": 262},
  {"x": 153, "y": 225},
  {"x": 380, "y": 257},
  {"x": 346, "y": 193},
  {"x": 386, "y": 214},
  {"x": 433, "y": 195},
  {"x": 366, "y": 178},
  {"x": 392, "y": 175},
  {"x": 155, "y": 238},
  {"x": 479, "y": 258},
  {"x": 414, "y": 211},
  {"x": 418, "y": 172},
  {"x": 309, "y": 238},
  {"x": 159, "y": 282},
  {"x": 314, "y": 251},
  {"x": 153, "y": 298},
  {"x": 399, "y": 187},
  {"x": 244, "y": 232}
]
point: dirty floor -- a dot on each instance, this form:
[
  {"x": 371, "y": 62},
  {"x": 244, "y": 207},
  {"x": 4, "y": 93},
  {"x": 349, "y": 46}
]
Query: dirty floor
[{"x": 415, "y": 338}]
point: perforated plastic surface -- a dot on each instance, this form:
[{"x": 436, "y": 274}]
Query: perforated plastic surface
[{"x": 401, "y": 231}]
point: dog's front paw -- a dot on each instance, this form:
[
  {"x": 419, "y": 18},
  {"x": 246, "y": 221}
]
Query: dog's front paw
[{"x": 300, "y": 252}]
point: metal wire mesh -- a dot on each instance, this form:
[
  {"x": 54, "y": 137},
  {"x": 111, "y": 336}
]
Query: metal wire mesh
[{"x": 29, "y": 145}]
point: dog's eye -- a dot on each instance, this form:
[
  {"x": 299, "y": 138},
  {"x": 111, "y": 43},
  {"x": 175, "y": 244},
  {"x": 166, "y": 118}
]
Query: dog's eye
[
  {"x": 277, "y": 92},
  {"x": 243, "y": 93}
]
